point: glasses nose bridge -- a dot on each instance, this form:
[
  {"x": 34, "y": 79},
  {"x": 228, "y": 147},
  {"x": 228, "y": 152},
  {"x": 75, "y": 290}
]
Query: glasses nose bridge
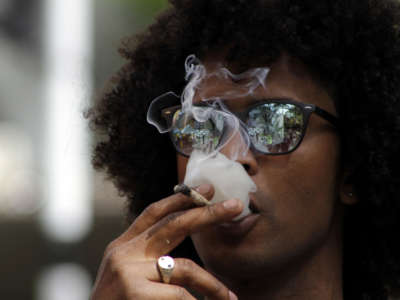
[
  {"x": 238, "y": 150},
  {"x": 241, "y": 115},
  {"x": 239, "y": 147}
]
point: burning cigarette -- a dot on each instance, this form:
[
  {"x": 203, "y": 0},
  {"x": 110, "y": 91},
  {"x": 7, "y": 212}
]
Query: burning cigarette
[{"x": 196, "y": 196}]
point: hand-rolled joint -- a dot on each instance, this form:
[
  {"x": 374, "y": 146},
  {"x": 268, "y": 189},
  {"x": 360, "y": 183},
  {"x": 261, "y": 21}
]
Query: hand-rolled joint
[{"x": 198, "y": 199}]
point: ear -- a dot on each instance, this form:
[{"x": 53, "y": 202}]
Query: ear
[{"x": 346, "y": 192}]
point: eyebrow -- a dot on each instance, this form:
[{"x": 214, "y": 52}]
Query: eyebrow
[
  {"x": 334, "y": 120},
  {"x": 250, "y": 101},
  {"x": 246, "y": 99}
]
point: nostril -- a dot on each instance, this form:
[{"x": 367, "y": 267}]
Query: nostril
[
  {"x": 250, "y": 169},
  {"x": 249, "y": 163}
]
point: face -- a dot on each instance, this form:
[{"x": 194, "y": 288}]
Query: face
[{"x": 297, "y": 196}]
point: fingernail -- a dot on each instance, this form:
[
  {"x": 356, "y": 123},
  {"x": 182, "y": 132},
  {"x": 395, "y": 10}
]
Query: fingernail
[
  {"x": 203, "y": 189},
  {"x": 231, "y": 204},
  {"x": 232, "y": 296}
]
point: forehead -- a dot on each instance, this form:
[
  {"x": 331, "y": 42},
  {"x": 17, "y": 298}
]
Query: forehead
[{"x": 288, "y": 78}]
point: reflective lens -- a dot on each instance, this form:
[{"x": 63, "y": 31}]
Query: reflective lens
[
  {"x": 272, "y": 127},
  {"x": 275, "y": 127},
  {"x": 188, "y": 134}
]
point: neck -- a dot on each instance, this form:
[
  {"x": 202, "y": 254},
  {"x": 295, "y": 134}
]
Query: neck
[{"x": 319, "y": 277}]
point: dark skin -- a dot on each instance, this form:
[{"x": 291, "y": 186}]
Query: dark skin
[
  {"x": 294, "y": 249},
  {"x": 128, "y": 269}
]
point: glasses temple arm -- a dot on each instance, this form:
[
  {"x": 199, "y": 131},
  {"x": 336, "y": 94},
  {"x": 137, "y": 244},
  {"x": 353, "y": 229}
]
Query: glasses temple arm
[{"x": 327, "y": 116}]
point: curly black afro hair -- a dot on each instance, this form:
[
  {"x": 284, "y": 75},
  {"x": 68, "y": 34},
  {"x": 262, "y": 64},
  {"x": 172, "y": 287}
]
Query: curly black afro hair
[{"x": 352, "y": 46}]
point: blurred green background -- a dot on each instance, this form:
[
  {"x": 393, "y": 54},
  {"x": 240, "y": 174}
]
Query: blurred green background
[{"x": 33, "y": 264}]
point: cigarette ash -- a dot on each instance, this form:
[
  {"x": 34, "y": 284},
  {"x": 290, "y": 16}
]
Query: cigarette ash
[{"x": 198, "y": 198}]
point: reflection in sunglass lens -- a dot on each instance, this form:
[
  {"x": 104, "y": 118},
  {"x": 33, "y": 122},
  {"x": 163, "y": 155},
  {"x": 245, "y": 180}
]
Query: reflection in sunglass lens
[
  {"x": 275, "y": 127},
  {"x": 189, "y": 134}
]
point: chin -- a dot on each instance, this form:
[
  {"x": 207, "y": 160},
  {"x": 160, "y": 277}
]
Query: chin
[
  {"x": 225, "y": 256},
  {"x": 248, "y": 257},
  {"x": 234, "y": 267}
]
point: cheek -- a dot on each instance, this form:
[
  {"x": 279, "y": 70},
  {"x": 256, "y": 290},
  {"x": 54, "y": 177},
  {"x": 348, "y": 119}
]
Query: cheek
[
  {"x": 303, "y": 188},
  {"x": 318, "y": 166}
]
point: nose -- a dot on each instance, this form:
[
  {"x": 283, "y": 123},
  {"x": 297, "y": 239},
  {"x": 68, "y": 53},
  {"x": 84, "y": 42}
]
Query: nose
[
  {"x": 238, "y": 149},
  {"x": 249, "y": 162}
]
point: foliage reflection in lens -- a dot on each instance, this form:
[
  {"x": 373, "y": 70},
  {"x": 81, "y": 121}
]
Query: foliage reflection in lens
[
  {"x": 275, "y": 127},
  {"x": 189, "y": 134}
]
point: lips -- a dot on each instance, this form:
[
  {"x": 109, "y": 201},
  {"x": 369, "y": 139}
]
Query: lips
[
  {"x": 244, "y": 225},
  {"x": 239, "y": 228},
  {"x": 253, "y": 207}
]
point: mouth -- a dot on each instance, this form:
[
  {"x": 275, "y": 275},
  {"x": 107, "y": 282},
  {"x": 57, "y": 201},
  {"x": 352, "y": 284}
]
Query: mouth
[
  {"x": 242, "y": 226},
  {"x": 253, "y": 207}
]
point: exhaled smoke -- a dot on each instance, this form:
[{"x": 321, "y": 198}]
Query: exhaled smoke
[{"x": 202, "y": 104}]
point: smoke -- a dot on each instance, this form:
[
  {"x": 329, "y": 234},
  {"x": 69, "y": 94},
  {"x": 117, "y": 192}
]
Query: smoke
[
  {"x": 209, "y": 165},
  {"x": 212, "y": 99}
]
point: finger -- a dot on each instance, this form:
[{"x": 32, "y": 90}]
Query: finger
[
  {"x": 188, "y": 274},
  {"x": 158, "y": 210},
  {"x": 160, "y": 291},
  {"x": 166, "y": 234}
]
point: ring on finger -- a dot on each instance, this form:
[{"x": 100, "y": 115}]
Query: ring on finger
[{"x": 165, "y": 265}]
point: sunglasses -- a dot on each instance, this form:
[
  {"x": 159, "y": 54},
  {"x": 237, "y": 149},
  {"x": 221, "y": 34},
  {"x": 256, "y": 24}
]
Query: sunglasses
[{"x": 274, "y": 126}]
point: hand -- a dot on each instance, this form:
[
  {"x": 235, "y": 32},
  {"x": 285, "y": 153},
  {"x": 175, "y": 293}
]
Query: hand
[{"x": 129, "y": 266}]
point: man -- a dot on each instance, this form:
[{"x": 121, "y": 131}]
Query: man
[{"x": 323, "y": 222}]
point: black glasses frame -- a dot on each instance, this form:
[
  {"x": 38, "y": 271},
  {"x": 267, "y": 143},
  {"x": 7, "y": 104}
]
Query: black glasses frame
[{"x": 306, "y": 108}]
